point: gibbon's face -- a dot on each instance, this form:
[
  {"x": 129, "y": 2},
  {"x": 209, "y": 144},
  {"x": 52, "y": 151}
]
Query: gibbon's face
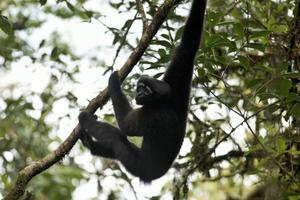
[
  {"x": 144, "y": 94},
  {"x": 150, "y": 90}
]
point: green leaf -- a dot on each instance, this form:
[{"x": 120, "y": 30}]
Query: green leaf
[
  {"x": 260, "y": 34},
  {"x": 218, "y": 41},
  {"x": 42, "y": 43},
  {"x": 281, "y": 145},
  {"x": 254, "y": 149},
  {"x": 179, "y": 33},
  {"x": 213, "y": 18},
  {"x": 89, "y": 14},
  {"x": 162, "y": 53},
  {"x": 5, "y": 25},
  {"x": 163, "y": 56},
  {"x": 244, "y": 61},
  {"x": 146, "y": 62},
  {"x": 54, "y": 53},
  {"x": 201, "y": 73},
  {"x": 294, "y": 152},
  {"x": 165, "y": 36},
  {"x": 4, "y": 179},
  {"x": 155, "y": 198},
  {"x": 294, "y": 197},
  {"x": 226, "y": 23},
  {"x": 296, "y": 110},
  {"x": 70, "y": 6},
  {"x": 158, "y": 75},
  {"x": 281, "y": 86},
  {"x": 266, "y": 68},
  {"x": 265, "y": 96},
  {"x": 292, "y": 97},
  {"x": 279, "y": 28},
  {"x": 253, "y": 83},
  {"x": 43, "y": 2},
  {"x": 291, "y": 75},
  {"x": 163, "y": 43},
  {"x": 127, "y": 24},
  {"x": 239, "y": 30},
  {"x": 257, "y": 46}
]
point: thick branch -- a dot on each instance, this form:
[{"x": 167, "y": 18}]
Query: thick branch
[{"x": 34, "y": 168}]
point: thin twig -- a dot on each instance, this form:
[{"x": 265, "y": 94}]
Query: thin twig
[
  {"x": 141, "y": 10},
  {"x": 272, "y": 157},
  {"x": 204, "y": 157},
  {"x": 123, "y": 41}
]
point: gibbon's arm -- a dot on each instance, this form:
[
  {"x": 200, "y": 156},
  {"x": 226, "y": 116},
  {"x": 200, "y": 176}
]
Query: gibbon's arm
[
  {"x": 191, "y": 35},
  {"x": 181, "y": 66},
  {"x": 119, "y": 100},
  {"x": 128, "y": 120}
]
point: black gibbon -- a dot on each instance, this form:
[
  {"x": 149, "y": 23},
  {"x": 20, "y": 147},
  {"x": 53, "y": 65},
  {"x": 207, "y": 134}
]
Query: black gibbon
[{"x": 161, "y": 120}]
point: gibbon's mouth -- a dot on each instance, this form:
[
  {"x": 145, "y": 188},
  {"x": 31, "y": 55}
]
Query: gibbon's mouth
[{"x": 143, "y": 90}]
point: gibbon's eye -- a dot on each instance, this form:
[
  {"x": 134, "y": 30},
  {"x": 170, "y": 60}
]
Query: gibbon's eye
[
  {"x": 140, "y": 89},
  {"x": 148, "y": 90},
  {"x": 143, "y": 90},
  {"x": 140, "y": 84}
]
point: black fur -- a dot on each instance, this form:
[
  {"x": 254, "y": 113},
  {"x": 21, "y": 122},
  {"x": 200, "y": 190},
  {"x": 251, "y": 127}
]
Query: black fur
[{"x": 162, "y": 118}]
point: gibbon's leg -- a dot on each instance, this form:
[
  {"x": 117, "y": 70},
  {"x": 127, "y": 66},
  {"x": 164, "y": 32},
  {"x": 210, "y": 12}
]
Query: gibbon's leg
[
  {"x": 86, "y": 121},
  {"x": 129, "y": 155},
  {"x": 104, "y": 133},
  {"x": 119, "y": 100},
  {"x": 110, "y": 142},
  {"x": 96, "y": 148}
]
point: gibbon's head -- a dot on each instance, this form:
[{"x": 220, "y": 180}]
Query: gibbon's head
[{"x": 150, "y": 90}]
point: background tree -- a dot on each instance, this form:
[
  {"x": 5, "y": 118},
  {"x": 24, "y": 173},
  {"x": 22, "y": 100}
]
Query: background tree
[{"x": 244, "y": 120}]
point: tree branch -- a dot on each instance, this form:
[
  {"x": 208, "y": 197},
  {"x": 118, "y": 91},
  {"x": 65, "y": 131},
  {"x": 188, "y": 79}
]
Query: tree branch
[
  {"x": 34, "y": 168},
  {"x": 143, "y": 14}
]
